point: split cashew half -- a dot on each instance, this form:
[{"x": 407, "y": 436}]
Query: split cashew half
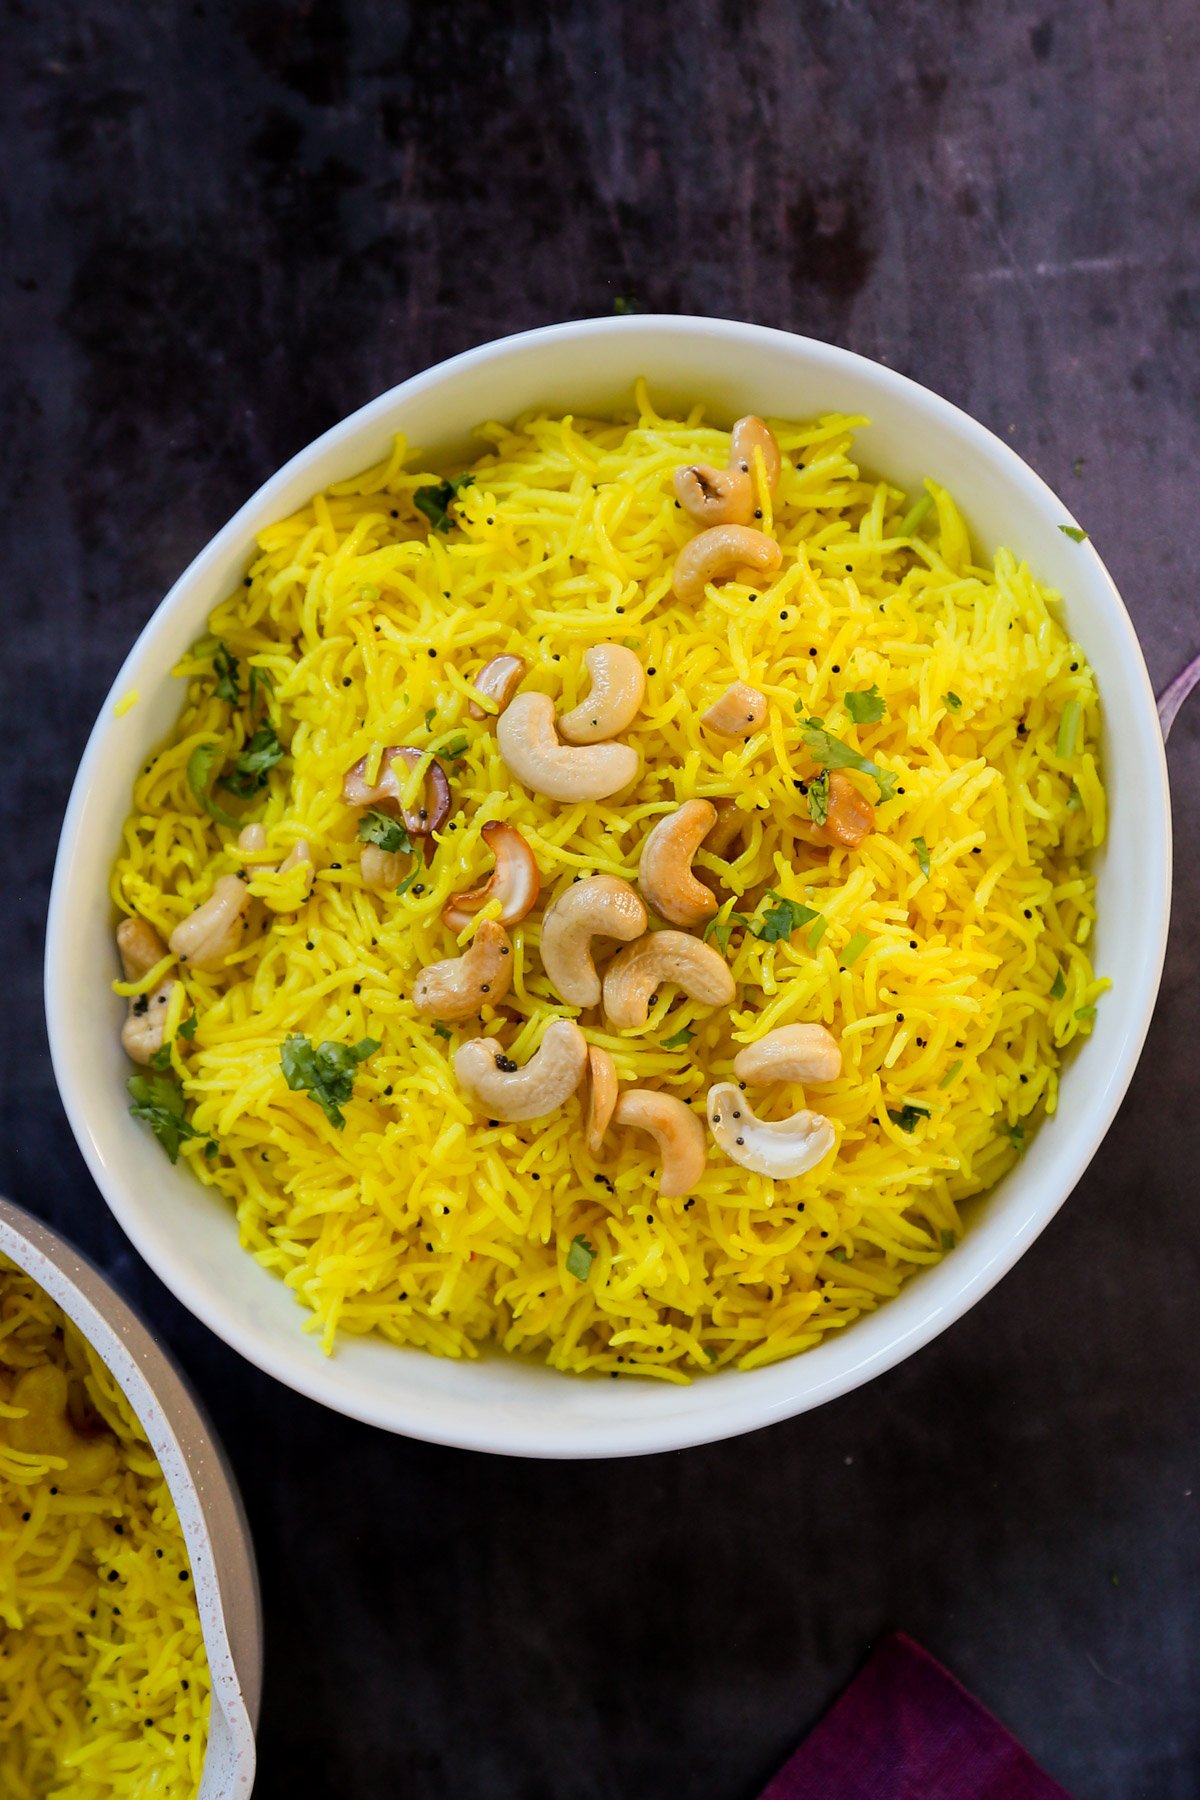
[
  {"x": 529, "y": 743},
  {"x": 504, "y": 1090},
  {"x": 617, "y": 690},
  {"x": 498, "y": 680},
  {"x": 600, "y": 906},
  {"x": 602, "y": 1096},
  {"x": 665, "y": 870},
  {"x": 140, "y": 947},
  {"x": 790, "y": 1053},
  {"x": 515, "y": 881},
  {"x": 727, "y": 496},
  {"x": 719, "y": 552},
  {"x": 781, "y": 1148},
  {"x": 738, "y": 713},
  {"x": 677, "y": 1131},
  {"x": 637, "y": 973},
  {"x": 459, "y": 986}
]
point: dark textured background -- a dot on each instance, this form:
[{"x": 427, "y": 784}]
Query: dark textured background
[{"x": 228, "y": 225}]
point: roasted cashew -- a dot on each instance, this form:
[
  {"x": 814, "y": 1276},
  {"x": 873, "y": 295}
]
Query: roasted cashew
[
  {"x": 850, "y": 816},
  {"x": 665, "y": 871},
  {"x": 515, "y": 881},
  {"x": 790, "y": 1053},
  {"x": 727, "y": 496},
  {"x": 300, "y": 852},
  {"x": 140, "y": 947},
  {"x": 738, "y": 713},
  {"x": 617, "y": 690},
  {"x": 382, "y": 870},
  {"x": 458, "y": 987},
  {"x": 600, "y": 906},
  {"x": 602, "y": 1096},
  {"x": 782, "y": 1148},
  {"x": 498, "y": 680},
  {"x": 721, "y": 551},
  {"x": 635, "y": 974},
  {"x": 503, "y": 1090},
  {"x": 677, "y": 1130},
  {"x": 731, "y": 822},
  {"x": 529, "y": 743},
  {"x": 217, "y": 928},
  {"x": 48, "y": 1430}
]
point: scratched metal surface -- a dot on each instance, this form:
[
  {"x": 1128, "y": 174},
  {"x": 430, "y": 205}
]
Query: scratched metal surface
[{"x": 226, "y": 226}]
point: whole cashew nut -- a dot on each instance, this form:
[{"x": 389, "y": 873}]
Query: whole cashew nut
[
  {"x": 140, "y": 947},
  {"x": 617, "y": 690},
  {"x": 677, "y": 1131},
  {"x": 208, "y": 936},
  {"x": 48, "y": 1430},
  {"x": 738, "y": 713},
  {"x": 665, "y": 871},
  {"x": 656, "y": 959},
  {"x": 503, "y": 1090},
  {"x": 600, "y": 906},
  {"x": 515, "y": 881},
  {"x": 781, "y": 1148},
  {"x": 727, "y": 496},
  {"x": 790, "y": 1053},
  {"x": 457, "y": 988},
  {"x": 530, "y": 745},
  {"x": 602, "y": 1096},
  {"x": 721, "y": 551}
]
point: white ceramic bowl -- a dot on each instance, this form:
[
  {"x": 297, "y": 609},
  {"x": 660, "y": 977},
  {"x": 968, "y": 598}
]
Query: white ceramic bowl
[
  {"x": 198, "y": 1475},
  {"x": 188, "y": 1234}
]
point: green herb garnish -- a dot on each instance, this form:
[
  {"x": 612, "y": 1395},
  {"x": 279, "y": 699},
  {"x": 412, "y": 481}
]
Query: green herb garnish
[
  {"x": 435, "y": 502},
  {"x": 1074, "y": 799},
  {"x": 158, "y": 1099},
  {"x": 202, "y": 761},
  {"x": 262, "y": 686},
  {"x": 1059, "y": 986},
  {"x": 782, "y": 919},
  {"x": 865, "y": 706},
  {"x": 161, "y": 1058},
  {"x": 1073, "y": 532},
  {"x": 948, "y": 1240},
  {"x": 1086, "y": 1013},
  {"x": 854, "y": 949},
  {"x": 838, "y": 1255},
  {"x": 430, "y": 716},
  {"x": 386, "y": 833},
  {"x": 188, "y": 1028},
  {"x": 455, "y": 748},
  {"x": 831, "y": 753},
  {"x": 951, "y": 1072},
  {"x": 1014, "y": 1133},
  {"x": 953, "y": 702},
  {"x": 906, "y": 1116},
  {"x": 722, "y": 929},
  {"x": 914, "y": 515},
  {"x": 580, "y": 1258},
  {"x": 820, "y": 926},
  {"x": 409, "y": 878},
  {"x": 325, "y": 1072},
  {"x": 818, "y": 797},
  {"x": 679, "y": 1040},
  {"x": 442, "y": 1031},
  {"x": 225, "y": 667},
  {"x": 1068, "y": 729},
  {"x": 250, "y": 770},
  {"x": 922, "y": 854}
]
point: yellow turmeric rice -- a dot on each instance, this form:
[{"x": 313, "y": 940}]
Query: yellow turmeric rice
[
  {"x": 104, "y": 1688},
  {"x": 947, "y": 953}
]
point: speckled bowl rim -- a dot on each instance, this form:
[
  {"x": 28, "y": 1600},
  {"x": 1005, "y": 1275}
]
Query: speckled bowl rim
[
  {"x": 498, "y": 1404},
  {"x": 198, "y": 1475}
]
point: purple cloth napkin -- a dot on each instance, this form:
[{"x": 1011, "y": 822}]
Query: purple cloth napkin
[{"x": 905, "y": 1730}]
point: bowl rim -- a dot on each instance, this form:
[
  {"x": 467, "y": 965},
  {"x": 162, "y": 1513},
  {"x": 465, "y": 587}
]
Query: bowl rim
[
  {"x": 199, "y": 1478},
  {"x": 886, "y": 1348}
]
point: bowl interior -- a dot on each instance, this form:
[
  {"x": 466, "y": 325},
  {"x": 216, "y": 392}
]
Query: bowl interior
[
  {"x": 201, "y": 1483},
  {"x": 498, "y": 1403}
]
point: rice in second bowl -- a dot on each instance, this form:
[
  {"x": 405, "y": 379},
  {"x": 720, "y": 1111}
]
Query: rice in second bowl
[{"x": 947, "y": 953}]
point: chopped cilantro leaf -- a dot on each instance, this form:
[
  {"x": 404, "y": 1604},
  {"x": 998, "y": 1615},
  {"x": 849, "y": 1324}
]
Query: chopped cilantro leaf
[
  {"x": 921, "y": 849},
  {"x": 386, "y": 833},
  {"x": 161, "y": 1058},
  {"x": 435, "y": 502},
  {"x": 1059, "y": 987},
  {"x": 455, "y": 748},
  {"x": 818, "y": 797},
  {"x": 953, "y": 702},
  {"x": 722, "y": 929},
  {"x": 906, "y": 1116},
  {"x": 831, "y": 753},
  {"x": 580, "y": 1258},
  {"x": 225, "y": 668},
  {"x": 325, "y": 1072},
  {"x": 679, "y": 1040},
  {"x": 158, "y": 1099},
  {"x": 430, "y": 716},
  {"x": 202, "y": 761},
  {"x": 188, "y": 1028},
  {"x": 866, "y": 706},
  {"x": 854, "y": 949},
  {"x": 782, "y": 919},
  {"x": 409, "y": 878},
  {"x": 1014, "y": 1133},
  {"x": 1073, "y": 532},
  {"x": 442, "y": 1031},
  {"x": 262, "y": 682},
  {"x": 250, "y": 770}
]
